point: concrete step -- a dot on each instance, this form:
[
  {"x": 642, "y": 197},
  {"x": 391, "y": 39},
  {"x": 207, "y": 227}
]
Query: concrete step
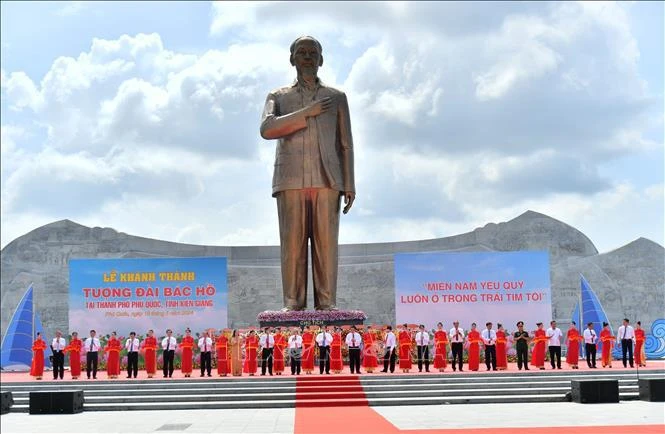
[
  {"x": 324, "y": 402},
  {"x": 411, "y": 381},
  {"x": 322, "y": 391},
  {"x": 169, "y": 394}
]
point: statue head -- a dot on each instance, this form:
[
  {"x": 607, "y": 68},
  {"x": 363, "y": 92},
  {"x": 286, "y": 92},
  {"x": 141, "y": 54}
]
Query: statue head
[{"x": 306, "y": 55}]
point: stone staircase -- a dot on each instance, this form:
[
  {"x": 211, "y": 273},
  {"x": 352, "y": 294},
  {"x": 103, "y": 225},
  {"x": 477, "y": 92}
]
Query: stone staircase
[{"x": 328, "y": 390}]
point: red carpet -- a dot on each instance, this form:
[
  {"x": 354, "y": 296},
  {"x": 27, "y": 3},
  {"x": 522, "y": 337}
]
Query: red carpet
[{"x": 330, "y": 391}]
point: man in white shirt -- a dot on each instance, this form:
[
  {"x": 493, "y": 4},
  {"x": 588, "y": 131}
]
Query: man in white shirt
[
  {"x": 457, "y": 344},
  {"x": 169, "y": 344},
  {"x": 554, "y": 335},
  {"x": 267, "y": 344},
  {"x": 132, "y": 347},
  {"x": 627, "y": 336},
  {"x": 422, "y": 343},
  {"x": 489, "y": 340},
  {"x": 590, "y": 340},
  {"x": 353, "y": 341},
  {"x": 389, "y": 356},
  {"x": 323, "y": 340},
  {"x": 295, "y": 351},
  {"x": 58, "y": 348},
  {"x": 205, "y": 346},
  {"x": 92, "y": 347}
]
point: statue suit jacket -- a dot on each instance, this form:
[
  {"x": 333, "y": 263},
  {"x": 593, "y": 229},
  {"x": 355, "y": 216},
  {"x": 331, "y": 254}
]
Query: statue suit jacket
[{"x": 334, "y": 139}]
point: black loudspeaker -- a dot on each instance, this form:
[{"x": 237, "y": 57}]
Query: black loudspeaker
[
  {"x": 652, "y": 389},
  {"x": 70, "y": 401},
  {"x": 595, "y": 391},
  {"x": 6, "y": 402}
]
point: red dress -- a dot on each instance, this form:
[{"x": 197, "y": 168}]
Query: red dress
[
  {"x": 370, "y": 361},
  {"x": 150, "y": 355},
  {"x": 113, "y": 347},
  {"x": 474, "y": 350},
  {"x": 222, "y": 348},
  {"x": 74, "y": 350},
  {"x": 404, "y": 350},
  {"x": 37, "y": 367},
  {"x": 640, "y": 338},
  {"x": 501, "y": 355},
  {"x": 187, "y": 346},
  {"x": 251, "y": 346},
  {"x": 607, "y": 339},
  {"x": 307, "y": 351},
  {"x": 278, "y": 353},
  {"x": 336, "y": 353},
  {"x": 440, "y": 348},
  {"x": 573, "y": 352},
  {"x": 538, "y": 354}
]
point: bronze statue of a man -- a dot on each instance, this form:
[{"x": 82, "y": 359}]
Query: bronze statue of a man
[{"x": 313, "y": 170}]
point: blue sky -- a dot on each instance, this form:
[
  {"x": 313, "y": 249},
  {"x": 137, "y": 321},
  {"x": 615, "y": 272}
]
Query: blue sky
[{"x": 143, "y": 116}]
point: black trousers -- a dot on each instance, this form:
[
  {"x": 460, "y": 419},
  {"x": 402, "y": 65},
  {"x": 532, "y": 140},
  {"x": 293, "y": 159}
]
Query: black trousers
[
  {"x": 354, "y": 360},
  {"x": 266, "y": 360},
  {"x": 423, "y": 357},
  {"x": 389, "y": 357},
  {"x": 590, "y": 350},
  {"x": 168, "y": 363},
  {"x": 206, "y": 363},
  {"x": 458, "y": 353},
  {"x": 59, "y": 364},
  {"x": 626, "y": 347},
  {"x": 324, "y": 359},
  {"x": 295, "y": 356},
  {"x": 555, "y": 352},
  {"x": 490, "y": 357},
  {"x": 132, "y": 363},
  {"x": 91, "y": 359},
  {"x": 522, "y": 356}
]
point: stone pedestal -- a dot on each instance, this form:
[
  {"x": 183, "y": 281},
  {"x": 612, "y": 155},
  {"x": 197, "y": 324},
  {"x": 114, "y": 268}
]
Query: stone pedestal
[{"x": 302, "y": 318}]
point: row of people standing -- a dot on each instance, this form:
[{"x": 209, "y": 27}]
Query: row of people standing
[{"x": 363, "y": 350}]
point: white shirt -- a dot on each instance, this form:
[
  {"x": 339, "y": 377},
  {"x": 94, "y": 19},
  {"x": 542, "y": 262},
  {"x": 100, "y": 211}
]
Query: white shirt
[
  {"x": 267, "y": 341},
  {"x": 58, "y": 344},
  {"x": 626, "y": 332},
  {"x": 489, "y": 337},
  {"x": 353, "y": 340},
  {"x": 295, "y": 341},
  {"x": 92, "y": 344},
  {"x": 205, "y": 343},
  {"x": 555, "y": 336},
  {"x": 454, "y": 338},
  {"x": 169, "y": 342},
  {"x": 589, "y": 336},
  {"x": 422, "y": 338},
  {"x": 390, "y": 340},
  {"x": 132, "y": 345},
  {"x": 328, "y": 339}
]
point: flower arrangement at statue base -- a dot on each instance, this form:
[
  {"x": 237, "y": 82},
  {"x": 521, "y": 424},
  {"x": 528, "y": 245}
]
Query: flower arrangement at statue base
[{"x": 302, "y": 318}]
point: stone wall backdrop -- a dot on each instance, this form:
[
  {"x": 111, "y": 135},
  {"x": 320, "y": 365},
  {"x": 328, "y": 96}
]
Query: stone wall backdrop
[{"x": 629, "y": 281}]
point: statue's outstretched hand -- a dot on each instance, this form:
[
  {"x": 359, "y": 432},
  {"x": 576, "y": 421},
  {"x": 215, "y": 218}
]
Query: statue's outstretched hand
[{"x": 349, "y": 197}]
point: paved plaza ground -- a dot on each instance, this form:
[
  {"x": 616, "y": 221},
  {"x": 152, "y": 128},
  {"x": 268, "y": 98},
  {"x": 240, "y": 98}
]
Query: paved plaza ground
[{"x": 626, "y": 417}]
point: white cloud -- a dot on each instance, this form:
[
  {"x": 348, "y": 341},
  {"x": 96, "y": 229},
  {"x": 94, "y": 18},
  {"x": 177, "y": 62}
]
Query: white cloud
[{"x": 462, "y": 114}]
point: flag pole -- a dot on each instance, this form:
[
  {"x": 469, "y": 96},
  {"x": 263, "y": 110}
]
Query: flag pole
[
  {"x": 33, "y": 310},
  {"x": 581, "y": 314}
]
